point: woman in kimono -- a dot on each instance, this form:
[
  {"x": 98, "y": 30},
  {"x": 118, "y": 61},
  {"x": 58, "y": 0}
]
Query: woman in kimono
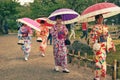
[
  {"x": 59, "y": 33},
  {"x": 24, "y": 34},
  {"x": 101, "y": 43},
  {"x": 43, "y": 35}
]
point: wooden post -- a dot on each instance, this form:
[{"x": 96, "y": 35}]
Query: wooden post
[
  {"x": 73, "y": 59},
  {"x": 93, "y": 67},
  {"x": 73, "y": 52},
  {"x": 96, "y": 1},
  {"x": 115, "y": 70},
  {"x": 78, "y": 59},
  {"x": 68, "y": 56},
  {"x": 85, "y": 64}
]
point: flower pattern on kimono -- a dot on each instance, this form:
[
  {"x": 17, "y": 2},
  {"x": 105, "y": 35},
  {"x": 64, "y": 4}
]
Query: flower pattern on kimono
[
  {"x": 100, "y": 55},
  {"x": 59, "y": 47},
  {"x": 43, "y": 34},
  {"x": 27, "y": 38}
]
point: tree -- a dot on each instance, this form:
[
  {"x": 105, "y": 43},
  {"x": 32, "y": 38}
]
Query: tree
[
  {"x": 116, "y": 18},
  {"x": 11, "y": 10},
  {"x": 42, "y": 8},
  {"x": 7, "y": 9}
]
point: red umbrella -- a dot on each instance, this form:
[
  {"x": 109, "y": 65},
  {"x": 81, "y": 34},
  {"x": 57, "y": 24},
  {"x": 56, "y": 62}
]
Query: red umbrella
[
  {"x": 44, "y": 19},
  {"x": 105, "y": 8}
]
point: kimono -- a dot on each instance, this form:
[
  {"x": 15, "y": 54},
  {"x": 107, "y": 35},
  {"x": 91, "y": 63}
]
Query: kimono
[
  {"x": 24, "y": 33},
  {"x": 59, "y": 47},
  {"x": 43, "y": 35},
  {"x": 101, "y": 43}
]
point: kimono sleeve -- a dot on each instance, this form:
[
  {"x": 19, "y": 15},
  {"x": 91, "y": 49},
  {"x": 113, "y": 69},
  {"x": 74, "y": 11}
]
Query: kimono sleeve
[
  {"x": 30, "y": 31},
  {"x": 110, "y": 43},
  {"x": 37, "y": 33},
  {"x": 65, "y": 30},
  {"x": 92, "y": 36},
  {"x": 19, "y": 34},
  {"x": 46, "y": 32}
]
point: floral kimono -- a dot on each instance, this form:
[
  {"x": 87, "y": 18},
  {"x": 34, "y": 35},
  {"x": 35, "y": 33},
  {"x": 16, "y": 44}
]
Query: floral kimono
[
  {"x": 43, "y": 35},
  {"x": 24, "y": 33},
  {"x": 59, "y": 47},
  {"x": 101, "y": 42}
]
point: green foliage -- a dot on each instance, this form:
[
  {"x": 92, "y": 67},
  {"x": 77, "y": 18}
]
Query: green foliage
[
  {"x": 7, "y": 7},
  {"x": 114, "y": 55},
  {"x": 7, "y": 11},
  {"x": 43, "y": 8}
]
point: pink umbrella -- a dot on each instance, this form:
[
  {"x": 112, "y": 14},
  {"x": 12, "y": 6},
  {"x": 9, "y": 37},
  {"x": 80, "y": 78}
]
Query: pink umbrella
[
  {"x": 105, "y": 8},
  {"x": 31, "y": 23}
]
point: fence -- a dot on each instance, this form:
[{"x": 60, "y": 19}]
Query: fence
[
  {"x": 72, "y": 58},
  {"x": 115, "y": 34}
]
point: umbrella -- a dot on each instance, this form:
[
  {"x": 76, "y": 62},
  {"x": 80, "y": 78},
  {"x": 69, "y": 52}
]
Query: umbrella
[
  {"x": 105, "y": 8},
  {"x": 44, "y": 19},
  {"x": 31, "y": 23},
  {"x": 68, "y": 16}
]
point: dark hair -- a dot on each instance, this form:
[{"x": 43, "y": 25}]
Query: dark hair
[
  {"x": 42, "y": 22},
  {"x": 98, "y": 16},
  {"x": 58, "y": 17}
]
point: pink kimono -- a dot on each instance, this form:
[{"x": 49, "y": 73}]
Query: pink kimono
[{"x": 59, "y": 47}]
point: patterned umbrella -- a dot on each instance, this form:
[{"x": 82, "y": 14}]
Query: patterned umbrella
[
  {"x": 68, "y": 16},
  {"x": 31, "y": 23},
  {"x": 105, "y": 8}
]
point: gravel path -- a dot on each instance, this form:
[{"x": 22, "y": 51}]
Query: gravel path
[{"x": 13, "y": 66}]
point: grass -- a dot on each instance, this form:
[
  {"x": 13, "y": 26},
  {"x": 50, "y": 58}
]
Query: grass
[{"x": 115, "y": 55}]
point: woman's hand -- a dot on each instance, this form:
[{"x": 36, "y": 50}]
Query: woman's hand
[
  {"x": 58, "y": 30},
  {"x": 66, "y": 33}
]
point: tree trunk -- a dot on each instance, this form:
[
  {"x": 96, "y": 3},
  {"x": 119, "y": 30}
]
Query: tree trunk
[
  {"x": 1, "y": 27},
  {"x": 96, "y": 1},
  {"x": 1, "y": 30}
]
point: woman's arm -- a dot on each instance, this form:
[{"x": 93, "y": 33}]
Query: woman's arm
[
  {"x": 46, "y": 32},
  {"x": 65, "y": 31},
  {"x": 53, "y": 31},
  {"x": 19, "y": 34}
]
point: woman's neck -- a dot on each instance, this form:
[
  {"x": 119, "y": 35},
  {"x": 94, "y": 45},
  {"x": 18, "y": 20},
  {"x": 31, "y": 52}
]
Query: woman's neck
[
  {"x": 99, "y": 23},
  {"x": 58, "y": 24}
]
